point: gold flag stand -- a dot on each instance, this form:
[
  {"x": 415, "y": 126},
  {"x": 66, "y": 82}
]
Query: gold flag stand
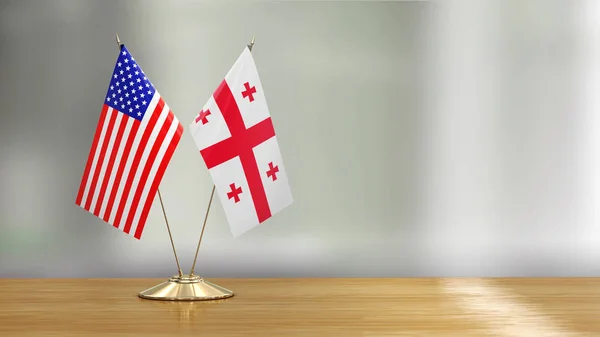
[{"x": 187, "y": 287}]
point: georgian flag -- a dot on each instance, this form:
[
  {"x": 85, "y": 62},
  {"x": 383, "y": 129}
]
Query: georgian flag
[{"x": 236, "y": 138}]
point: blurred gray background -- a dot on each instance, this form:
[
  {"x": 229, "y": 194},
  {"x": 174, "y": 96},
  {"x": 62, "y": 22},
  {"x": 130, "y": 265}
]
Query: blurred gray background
[{"x": 454, "y": 138}]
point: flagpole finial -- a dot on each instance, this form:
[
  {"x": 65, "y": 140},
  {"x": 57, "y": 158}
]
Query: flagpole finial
[
  {"x": 118, "y": 40},
  {"x": 251, "y": 43}
]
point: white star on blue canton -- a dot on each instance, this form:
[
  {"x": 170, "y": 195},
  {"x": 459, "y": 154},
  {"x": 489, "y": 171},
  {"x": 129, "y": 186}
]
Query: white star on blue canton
[{"x": 123, "y": 97}]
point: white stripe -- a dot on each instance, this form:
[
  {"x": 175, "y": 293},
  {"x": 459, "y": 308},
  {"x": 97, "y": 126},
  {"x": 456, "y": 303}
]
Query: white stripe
[
  {"x": 138, "y": 174},
  {"x": 159, "y": 158},
  {"x": 95, "y": 161},
  {"x": 135, "y": 145},
  {"x": 111, "y": 143},
  {"x": 118, "y": 158}
]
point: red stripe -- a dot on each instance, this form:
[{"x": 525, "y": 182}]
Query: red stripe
[
  {"x": 136, "y": 162},
  {"x": 107, "y": 135},
  {"x": 257, "y": 190},
  {"x": 241, "y": 143},
  {"x": 111, "y": 163},
  {"x": 115, "y": 188},
  {"x": 154, "y": 187},
  {"x": 90, "y": 159},
  {"x": 146, "y": 172}
]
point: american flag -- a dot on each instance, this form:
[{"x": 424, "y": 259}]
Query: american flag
[{"x": 134, "y": 141}]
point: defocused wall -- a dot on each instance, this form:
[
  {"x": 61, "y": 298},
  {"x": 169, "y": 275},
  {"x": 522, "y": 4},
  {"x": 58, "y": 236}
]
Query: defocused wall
[
  {"x": 510, "y": 139},
  {"x": 454, "y": 138}
]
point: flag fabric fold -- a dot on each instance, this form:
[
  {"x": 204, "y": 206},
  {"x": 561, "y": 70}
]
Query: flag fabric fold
[
  {"x": 236, "y": 139},
  {"x": 135, "y": 138}
]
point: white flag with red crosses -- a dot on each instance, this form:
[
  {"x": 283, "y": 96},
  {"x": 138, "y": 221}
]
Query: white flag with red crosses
[{"x": 236, "y": 138}]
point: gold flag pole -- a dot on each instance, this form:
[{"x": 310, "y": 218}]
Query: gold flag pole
[
  {"x": 189, "y": 287},
  {"x": 251, "y": 43},
  {"x": 203, "y": 226},
  {"x": 161, "y": 203},
  {"x": 169, "y": 230}
]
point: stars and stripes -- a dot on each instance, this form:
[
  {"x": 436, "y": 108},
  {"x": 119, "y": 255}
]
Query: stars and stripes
[{"x": 135, "y": 139}]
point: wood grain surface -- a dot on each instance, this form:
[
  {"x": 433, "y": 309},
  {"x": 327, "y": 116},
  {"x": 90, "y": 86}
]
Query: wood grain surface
[{"x": 306, "y": 307}]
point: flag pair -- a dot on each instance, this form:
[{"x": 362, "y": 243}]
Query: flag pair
[{"x": 137, "y": 134}]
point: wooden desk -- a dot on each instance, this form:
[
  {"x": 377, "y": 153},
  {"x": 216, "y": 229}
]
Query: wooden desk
[{"x": 307, "y": 307}]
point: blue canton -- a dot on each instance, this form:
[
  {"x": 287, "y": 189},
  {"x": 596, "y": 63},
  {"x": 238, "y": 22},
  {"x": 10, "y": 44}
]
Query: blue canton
[{"x": 130, "y": 91}]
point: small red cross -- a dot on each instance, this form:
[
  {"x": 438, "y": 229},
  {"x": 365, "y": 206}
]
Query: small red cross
[
  {"x": 272, "y": 172},
  {"x": 234, "y": 193},
  {"x": 202, "y": 116},
  {"x": 249, "y": 91}
]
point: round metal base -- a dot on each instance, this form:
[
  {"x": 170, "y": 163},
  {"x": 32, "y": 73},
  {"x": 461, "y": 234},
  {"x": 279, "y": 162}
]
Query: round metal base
[{"x": 186, "y": 288}]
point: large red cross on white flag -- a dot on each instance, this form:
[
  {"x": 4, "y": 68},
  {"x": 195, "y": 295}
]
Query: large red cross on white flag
[{"x": 237, "y": 141}]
